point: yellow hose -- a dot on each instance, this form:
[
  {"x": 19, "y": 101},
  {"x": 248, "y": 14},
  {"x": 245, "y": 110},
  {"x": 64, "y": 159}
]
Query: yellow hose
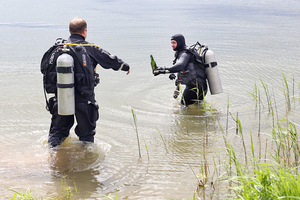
[{"x": 84, "y": 45}]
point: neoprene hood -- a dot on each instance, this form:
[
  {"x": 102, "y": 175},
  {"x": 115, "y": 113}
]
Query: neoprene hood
[{"x": 179, "y": 38}]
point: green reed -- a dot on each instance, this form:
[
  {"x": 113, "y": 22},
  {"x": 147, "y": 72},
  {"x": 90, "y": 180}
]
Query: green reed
[
  {"x": 137, "y": 135},
  {"x": 268, "y": 96},
  {"x": 286, "y": 92},
  {"x": 163, "y": 140},
  {"x": 136, "y": 131},
  {"x": 66, "y": 194},
  {"x": 111, "y": 198},
  {"x": 24, "y": 195},
  {"x": 256, "y": 178},
  {"x": 276, "y": 178},
  {"x": 146, "y": 148}
]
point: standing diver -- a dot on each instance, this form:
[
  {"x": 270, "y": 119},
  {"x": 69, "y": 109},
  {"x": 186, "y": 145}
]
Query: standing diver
[
  {"x": 88, "y": 56},
  {"x": 192, "y": 76}
]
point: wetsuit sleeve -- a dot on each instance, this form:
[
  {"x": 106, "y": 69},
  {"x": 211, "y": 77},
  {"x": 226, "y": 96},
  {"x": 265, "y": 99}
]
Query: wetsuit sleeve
[
  {"x": 106, "y": 60},
  {"x": 180, "y": 64}
]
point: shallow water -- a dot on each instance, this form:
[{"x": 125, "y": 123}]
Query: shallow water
[{"x": 252, "y": 42}]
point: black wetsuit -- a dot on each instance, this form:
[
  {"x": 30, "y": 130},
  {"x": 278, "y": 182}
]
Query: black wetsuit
[
  {"x": 86, "y": 107},
  {"x": 184, "y": 58}
]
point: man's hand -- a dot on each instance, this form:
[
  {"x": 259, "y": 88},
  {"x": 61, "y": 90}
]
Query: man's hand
[
  {"x": 97, "y": 79},
  {"x": 160, "y": 70},
  {"x": 172, "y": 76}
]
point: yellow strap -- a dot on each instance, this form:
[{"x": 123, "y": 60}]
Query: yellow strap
[{"x": 86, "y": 45}]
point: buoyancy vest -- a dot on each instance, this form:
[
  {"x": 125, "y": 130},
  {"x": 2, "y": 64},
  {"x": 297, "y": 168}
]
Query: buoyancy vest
[
  {"x": 194, "y": 71},
  {"x": 48, "y": 66},
  {"x": 84, "y": 73}
]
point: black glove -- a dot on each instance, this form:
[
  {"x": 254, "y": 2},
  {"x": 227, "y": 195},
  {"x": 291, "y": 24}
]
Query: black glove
[
  {"x": 160, "y": 70},
  {"x": 126, "y": 67},
  {"x": 172, "y": 76},
  {"x": 97, "y": 79}
]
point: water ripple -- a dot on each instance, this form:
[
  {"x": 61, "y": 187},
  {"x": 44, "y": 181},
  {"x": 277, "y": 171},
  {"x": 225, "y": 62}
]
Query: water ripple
[{"x": 31, "y": 25}]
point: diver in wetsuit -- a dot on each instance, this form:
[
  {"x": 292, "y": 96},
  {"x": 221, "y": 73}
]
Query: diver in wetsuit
[
  {"x": 86, "y": 107},
  {"x": 189, "y": 73}
]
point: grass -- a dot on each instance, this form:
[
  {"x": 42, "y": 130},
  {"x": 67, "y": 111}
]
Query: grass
[
  {"x": 256, "y": 178},
  {"x": 66, "y": 194},
  {"x": 136, "y": 130}
]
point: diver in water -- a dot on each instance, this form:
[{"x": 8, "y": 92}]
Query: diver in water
[
  {"x": 189, "y": 72},
  {"x": 86, "y": 107}
]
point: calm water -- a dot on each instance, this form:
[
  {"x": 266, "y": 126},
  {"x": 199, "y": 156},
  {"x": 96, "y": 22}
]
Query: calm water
[{"x": 252, "y": 41}]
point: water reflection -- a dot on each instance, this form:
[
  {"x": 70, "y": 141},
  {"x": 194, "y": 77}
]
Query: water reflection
[
  {"x": 73, "y": 155},
  {"x": 193, "y": 131},
  {"x": 195, "y": 120},
  {"x": 194, "y": 142},
  {"x": 74, "y": 163}
]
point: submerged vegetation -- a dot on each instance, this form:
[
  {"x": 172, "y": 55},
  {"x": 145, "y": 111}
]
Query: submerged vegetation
[
  {"x": 269, "y": 169},
  {"x": 265, "y": 167}
]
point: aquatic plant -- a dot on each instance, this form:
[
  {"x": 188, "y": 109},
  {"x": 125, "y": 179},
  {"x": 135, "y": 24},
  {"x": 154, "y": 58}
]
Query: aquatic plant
[
  {"x": 136, "y": 130},
  {"x": 286, "y": 92},
  {"x": 276, "y": 178},
  {"x": 24, "y": 195},
  {"x": 66, "y": 194},
  {"x": 254, "y": 177},
  {"x": 163, "y": 140}
]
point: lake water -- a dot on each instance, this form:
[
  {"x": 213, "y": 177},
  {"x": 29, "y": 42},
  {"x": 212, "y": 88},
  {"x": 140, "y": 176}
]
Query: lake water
[{"x": 252, "y": 41}]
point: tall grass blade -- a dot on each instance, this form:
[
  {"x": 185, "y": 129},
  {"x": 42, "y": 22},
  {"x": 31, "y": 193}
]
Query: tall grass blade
[
  {"x": 287, "y": 94},
  {"x": 146, "y": 148},
  {"x": 136, "y": 130},
  {"x": 163, "y": 140}
]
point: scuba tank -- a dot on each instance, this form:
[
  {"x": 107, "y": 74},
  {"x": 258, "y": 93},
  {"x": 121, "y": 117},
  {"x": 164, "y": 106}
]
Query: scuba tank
[
  {"x": 65, "y": 84},
  {"x": 211, "y": 71}
]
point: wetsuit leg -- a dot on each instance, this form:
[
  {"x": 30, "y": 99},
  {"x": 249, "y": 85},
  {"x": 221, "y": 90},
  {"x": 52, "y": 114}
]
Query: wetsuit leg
[
  {"x": 86, "y": 117},
  {"x": 190, "y": 96},
  {"x": 60, "y": 127}
]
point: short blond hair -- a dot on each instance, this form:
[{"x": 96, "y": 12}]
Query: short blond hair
[{"x": 77, "y": 25}]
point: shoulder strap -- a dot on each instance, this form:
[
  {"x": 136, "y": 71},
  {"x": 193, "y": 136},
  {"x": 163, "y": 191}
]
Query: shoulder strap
[{"x": 47, "y": 102}]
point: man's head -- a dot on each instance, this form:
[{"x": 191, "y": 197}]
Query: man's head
[
  {"x": 78, "y": 26},
  {"x": 178, "y": 42}
]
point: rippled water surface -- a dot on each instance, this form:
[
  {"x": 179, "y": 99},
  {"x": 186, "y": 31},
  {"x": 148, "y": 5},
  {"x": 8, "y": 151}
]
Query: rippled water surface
[{"x": 252, "y": 41}]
